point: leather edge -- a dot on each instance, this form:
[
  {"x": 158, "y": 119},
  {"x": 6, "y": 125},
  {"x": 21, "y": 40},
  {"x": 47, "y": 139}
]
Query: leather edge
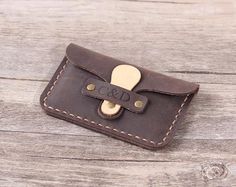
[{"x": 50, "y": 83}]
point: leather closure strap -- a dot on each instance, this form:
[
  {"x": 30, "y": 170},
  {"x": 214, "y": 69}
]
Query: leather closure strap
[{"x": 130, "y": 100}]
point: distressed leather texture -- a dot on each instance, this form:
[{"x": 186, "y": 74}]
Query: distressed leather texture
[{"x": 167, "y": 99}]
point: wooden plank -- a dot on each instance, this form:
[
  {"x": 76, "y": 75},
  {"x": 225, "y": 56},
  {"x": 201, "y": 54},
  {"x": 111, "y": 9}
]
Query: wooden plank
[
  {"x": 192, "y": 40},
  {"x": 20, "y": 100},
  {"x": 37, "y": 171},
  {"x": 192, "y": 37},
  {"x": 197, "y": 77},
  {"x": 104, "y": 148}
]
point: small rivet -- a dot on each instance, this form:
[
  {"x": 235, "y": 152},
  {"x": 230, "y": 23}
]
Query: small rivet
[
  {"x": 90, "y": 87},
  {"x": 111, "y": 105},
  {"x": 138, "y": 104}
]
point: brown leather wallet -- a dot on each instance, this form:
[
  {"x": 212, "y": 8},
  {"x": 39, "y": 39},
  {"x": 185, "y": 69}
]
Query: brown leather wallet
[{"x": 116, "y": 98}]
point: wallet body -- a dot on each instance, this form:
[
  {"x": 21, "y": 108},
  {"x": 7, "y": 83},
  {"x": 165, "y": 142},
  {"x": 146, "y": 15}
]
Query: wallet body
[{"x": 150, "y": 124}]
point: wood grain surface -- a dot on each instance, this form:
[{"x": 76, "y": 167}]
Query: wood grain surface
[{"x": 193, "y": 40}]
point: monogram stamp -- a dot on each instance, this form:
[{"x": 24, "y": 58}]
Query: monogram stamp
[{"x": 114, "y": 93}]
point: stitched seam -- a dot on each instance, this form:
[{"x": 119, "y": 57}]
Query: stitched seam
[
  {"x": 174, "y": 121},
  {"x": 108, "y": 127}
]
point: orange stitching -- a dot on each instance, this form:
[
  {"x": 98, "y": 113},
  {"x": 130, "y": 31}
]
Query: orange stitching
[{"x": 105, "y": 126}]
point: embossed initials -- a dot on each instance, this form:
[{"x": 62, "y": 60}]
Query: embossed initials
[{"x": 114, "y": 93}]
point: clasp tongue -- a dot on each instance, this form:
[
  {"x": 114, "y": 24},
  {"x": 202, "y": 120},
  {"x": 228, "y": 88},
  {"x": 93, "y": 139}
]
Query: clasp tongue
[{"x": 125, "y": 76}]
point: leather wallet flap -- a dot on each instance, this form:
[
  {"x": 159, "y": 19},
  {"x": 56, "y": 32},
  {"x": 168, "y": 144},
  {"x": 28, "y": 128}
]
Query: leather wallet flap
[{"x": 102, "y": 66}]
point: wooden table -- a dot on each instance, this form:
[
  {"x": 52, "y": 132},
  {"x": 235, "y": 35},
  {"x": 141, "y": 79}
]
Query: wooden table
[{"x": 193, "y": 40}]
